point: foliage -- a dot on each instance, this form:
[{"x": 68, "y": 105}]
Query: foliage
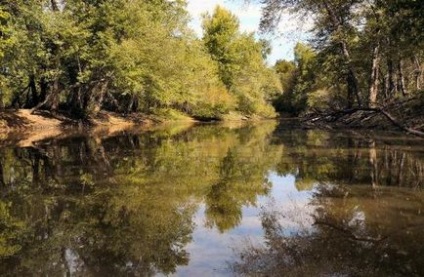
[
  {"x": 299, "y": 79},
  {"x": 125, "y": 56},
  {"x": 126, "y": 205},
  {"x": 240, "y": 59},
  {"x": 367, "y": 53}
]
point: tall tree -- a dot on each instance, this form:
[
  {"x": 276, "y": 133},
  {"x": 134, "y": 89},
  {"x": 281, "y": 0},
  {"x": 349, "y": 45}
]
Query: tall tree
[
  {"x": 221, "y": 30},
  {"x": 241, "y": 63},
  {"x": 333, "y": 21}
]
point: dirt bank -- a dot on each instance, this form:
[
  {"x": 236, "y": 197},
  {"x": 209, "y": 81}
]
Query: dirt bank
[
  {"x": 12, "y": 120},
  {"x": 23, "y": 128}
]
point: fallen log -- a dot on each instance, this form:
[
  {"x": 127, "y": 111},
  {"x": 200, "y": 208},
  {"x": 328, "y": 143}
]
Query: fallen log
[{"x": 336, "y": 116}]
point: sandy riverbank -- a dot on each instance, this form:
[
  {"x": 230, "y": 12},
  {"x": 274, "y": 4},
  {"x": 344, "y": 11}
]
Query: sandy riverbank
[{"x": 23, "y": 128}]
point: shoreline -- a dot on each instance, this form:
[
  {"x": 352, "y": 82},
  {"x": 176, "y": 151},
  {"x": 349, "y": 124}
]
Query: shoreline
[
  {"x": 24, "y": 120},
  {"x": 17, "y": 120},
  {"x": 20, "y": 127}
]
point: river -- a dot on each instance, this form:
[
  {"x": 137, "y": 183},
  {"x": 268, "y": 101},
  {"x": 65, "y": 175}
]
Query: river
[{"x": 259, "y": 199}]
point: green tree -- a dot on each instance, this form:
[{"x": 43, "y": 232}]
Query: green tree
[
  {"x": 221, "y": 30},
  {"x": 241, "y": 64},
  {"x": 5, "y": 45},
  {"x": 300, "y": 80},
  {"x": 333, "y": 24},
  {"x": 370, "y": 52}
]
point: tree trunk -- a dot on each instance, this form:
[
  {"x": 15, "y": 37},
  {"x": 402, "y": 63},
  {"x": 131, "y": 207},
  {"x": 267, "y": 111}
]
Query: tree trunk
[
  {"x": 32, "y": 96},
  {"x": 51, "y": 101},
  {"x": 352, "y": 81},
  {"x": 418, "y": 73},
  {"x": 95, "y": 96},
  {"x": 75, "y": 103},
  {"x": 2, "y": 183},
  {"x": 390, "y": 82},
  {"x": 133, "y": 104},
  {"x": 54, "y": 5},
  {"x": 350, "y": 91},
  {"x": 55, "y": 95},
  {"x": 401, "y": 79},
  {"x": 374, "y": 82},
  {"x": 43, "y": 90}
]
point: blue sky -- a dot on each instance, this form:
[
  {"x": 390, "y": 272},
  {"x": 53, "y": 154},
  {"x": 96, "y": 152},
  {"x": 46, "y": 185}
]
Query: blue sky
[{"x": 290, "y": 29}]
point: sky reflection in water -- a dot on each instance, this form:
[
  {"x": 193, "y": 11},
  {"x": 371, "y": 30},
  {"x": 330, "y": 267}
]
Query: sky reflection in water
[{"x": 213, "y": 200}]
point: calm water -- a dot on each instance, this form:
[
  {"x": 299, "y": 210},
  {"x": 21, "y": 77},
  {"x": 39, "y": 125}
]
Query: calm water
[{"x": 211, "y": 200}]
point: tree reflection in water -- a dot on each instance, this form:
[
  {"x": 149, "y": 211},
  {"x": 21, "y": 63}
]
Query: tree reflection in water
[
  {"x": 365, "y": 214},
  {"x": 124, "y": 205},
  {"x": 353, "y": 233}
]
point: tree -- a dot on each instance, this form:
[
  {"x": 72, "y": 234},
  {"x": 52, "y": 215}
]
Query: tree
[
  {"x": 362, "y": 46},
  {"x": 221, "y": 30},
  {"x": 300, "y": 80},
  {"x": 333, "y": 22},
  {"x": 61, "y": 198},
  {"x": 241, "y": 64},
  {"x": 129, "y": 56},
  {"x": 5, "y": 45}
]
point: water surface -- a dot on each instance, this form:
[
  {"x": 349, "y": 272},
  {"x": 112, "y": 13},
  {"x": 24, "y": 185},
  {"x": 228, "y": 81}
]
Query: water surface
[{"x": 214, "y": 200}]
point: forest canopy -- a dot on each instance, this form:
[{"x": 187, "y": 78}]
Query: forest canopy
[
  {"x": 361, "y": 54},
  {"x": 130, "y": 56},
  {"x": 81, "y": 57}
]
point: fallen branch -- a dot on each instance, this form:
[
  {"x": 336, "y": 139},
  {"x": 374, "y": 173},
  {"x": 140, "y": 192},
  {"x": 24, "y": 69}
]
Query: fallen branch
[
  {"x": 406, "y": 129},
  {"x": 336, "y": 115}
]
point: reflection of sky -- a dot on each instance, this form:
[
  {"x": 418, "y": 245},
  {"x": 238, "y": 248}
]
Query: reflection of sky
[
  {"x": 290, "y": 30},
  {"x": 210, "y": 250}
]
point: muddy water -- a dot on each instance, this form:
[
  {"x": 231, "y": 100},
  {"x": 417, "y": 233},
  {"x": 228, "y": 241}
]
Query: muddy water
[{"x": 213, "y": 200}]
